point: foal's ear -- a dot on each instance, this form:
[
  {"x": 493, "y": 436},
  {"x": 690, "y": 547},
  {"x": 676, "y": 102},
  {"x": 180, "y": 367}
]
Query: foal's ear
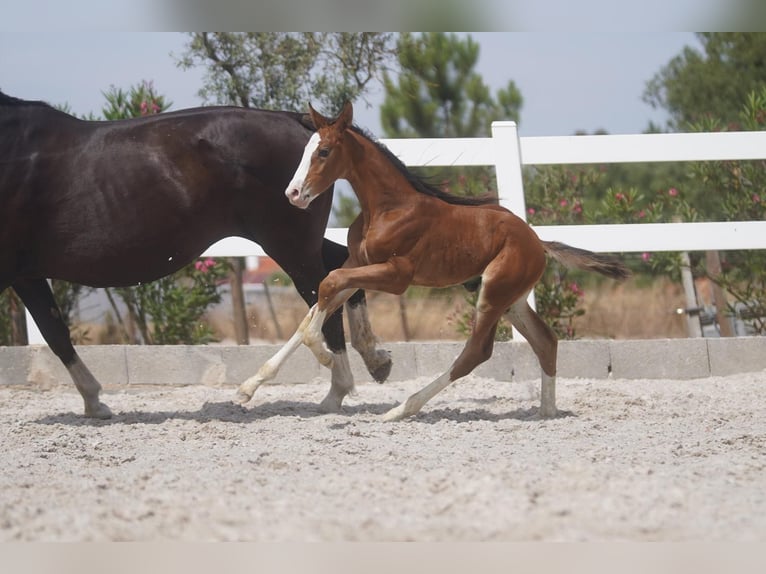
[
  {"x": 319, "y": 120},
  {"x": 346, "y": 116}
]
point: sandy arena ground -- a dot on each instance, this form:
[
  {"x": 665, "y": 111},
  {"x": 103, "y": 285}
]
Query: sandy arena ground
[{"x": 626, "y": 460}]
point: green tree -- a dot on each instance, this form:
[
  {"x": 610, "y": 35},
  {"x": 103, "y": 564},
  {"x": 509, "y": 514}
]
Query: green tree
[
  {"x": 438, "y": 93},
  {"x": 281, "y": 70},
  {"x": 139, "y": 100},
  {"x": 738, "y": 188},
  {"x": 712, "y": 82}
]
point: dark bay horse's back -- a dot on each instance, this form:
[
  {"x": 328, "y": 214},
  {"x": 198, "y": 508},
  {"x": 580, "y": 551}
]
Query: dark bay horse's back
[{"x": 115, "y": 203}]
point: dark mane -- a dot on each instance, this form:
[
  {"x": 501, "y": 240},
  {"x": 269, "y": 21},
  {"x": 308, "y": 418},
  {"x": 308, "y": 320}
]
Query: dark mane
[
  {"x": 6, "y": 100},
  {"x": 419, "y": 183}
]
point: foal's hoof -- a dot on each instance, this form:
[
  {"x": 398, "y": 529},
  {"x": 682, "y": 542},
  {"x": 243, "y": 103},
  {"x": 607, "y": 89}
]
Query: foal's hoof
[
  {"x": 396, "y": 414},
  {"x": 99, "y": 411},
  {"x": 243, "y": 397}
]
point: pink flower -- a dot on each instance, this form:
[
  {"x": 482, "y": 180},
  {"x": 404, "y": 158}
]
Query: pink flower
[
  {"x": 619, "y": 196},
  {"x": 144, "y": 108},
  {"x": 531, "y": 211},
  {"x": 575, "y": 288},
  {"x": 646, "y": 256},
  {"x": 756, "y": 198},
  {"x": 204, "y": 266},
  {"x": 672, "y": 192},
  {"x": 641, "y": 214},
  {"x": 563, "y": 203},
  {"x": 577, "y": 208}
]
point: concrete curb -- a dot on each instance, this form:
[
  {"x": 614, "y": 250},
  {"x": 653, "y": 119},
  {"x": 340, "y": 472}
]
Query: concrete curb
[{"x": 119, "y": 365}]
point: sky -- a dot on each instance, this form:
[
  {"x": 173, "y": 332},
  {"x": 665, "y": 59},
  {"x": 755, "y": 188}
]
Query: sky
[{"x": 569, "y": 81}]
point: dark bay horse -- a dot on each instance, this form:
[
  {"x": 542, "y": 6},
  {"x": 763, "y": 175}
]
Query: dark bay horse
[
  {"x": 410, "y": 233},
  {"x": 122, "y": 202}
]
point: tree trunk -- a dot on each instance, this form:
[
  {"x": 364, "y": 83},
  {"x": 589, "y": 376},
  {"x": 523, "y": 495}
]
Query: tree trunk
[
  {"x": 18, "y": 321},
  {"x": 403, "y": 316},
  {"x": 693, "y": 326},
  {"x": 241, "y": 331},
  {"x": 713, "y": 264}
]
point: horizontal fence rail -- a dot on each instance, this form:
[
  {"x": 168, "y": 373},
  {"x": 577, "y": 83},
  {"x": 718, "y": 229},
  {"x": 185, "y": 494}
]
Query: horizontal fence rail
[{"x": 508, "y": 153}]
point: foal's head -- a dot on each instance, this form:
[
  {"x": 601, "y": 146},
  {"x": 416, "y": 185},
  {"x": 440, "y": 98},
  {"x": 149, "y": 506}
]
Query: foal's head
[{"x": 323, "y": 160}]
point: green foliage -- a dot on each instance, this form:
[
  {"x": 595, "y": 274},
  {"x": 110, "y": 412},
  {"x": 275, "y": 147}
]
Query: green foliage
[
  {"x": 712, "y": 83},
  {"x": 140, "y": 100},
  {"x": 439, "y": 94},
  {"x": 738, "y": 188},
  {"x": 464, "y": 321},
  {"x": 558, "y": 300},
  {"x": 556, "y": 195},
  {"x": 281, "y": 70},
  {"x": 168, "y": 311}
]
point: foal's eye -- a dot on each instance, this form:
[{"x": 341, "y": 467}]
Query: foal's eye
[{"x": 323, "y": 152}]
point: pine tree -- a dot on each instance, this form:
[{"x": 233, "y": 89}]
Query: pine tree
[{"x": 438, "y": 93}]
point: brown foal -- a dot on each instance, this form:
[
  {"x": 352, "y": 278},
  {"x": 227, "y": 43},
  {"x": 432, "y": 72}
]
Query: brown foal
[{"x": 410, "y": 233}]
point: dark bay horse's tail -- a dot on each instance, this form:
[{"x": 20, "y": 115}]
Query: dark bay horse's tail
[{"x": 587, "y": 260}]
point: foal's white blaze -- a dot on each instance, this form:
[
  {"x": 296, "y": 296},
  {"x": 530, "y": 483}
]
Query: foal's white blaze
[{"x": 295, "y": 192}]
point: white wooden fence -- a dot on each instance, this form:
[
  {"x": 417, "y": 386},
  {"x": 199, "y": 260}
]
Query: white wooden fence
[{"x": 508, "y": 153}]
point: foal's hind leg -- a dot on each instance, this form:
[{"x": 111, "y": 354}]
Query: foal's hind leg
[
  {"x": 478, "y": 348},
  {"x": 544, "y": 343},
  {"x": 37, "y": 296}
]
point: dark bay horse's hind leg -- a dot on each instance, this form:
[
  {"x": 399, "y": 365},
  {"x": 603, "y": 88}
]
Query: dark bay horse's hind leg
[
  {"x": 378, "y": 361},
  {"x": 38, "y": 298}
]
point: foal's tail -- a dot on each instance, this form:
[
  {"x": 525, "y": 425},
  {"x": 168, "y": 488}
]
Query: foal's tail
[{"x": 587, "y": 260}]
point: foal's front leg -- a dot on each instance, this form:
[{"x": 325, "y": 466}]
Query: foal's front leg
[
  {"x": 309, "y": 333},
  {"x": 271, "y": 367}
]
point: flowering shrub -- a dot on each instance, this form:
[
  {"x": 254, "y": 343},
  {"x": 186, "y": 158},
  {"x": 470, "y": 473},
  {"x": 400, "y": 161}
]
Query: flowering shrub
[
  {"x": 738, "y": 188},
  {"x": 558, "y": 300},
  {"x": 169, "y": 311}
]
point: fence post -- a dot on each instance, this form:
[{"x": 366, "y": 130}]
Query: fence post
[
  {"x": 510, "y": 186},
  {"x": 510, "y": 183}
]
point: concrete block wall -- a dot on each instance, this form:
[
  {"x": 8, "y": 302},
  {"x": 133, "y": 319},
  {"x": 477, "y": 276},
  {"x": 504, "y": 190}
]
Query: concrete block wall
[{"x": 513, "y": 361}]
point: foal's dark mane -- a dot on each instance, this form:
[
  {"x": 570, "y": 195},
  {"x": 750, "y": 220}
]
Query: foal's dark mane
[{"x": 419, "y": 183}]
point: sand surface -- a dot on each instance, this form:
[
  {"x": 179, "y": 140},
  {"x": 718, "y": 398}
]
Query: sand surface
[{"x": 626, "y": 460}]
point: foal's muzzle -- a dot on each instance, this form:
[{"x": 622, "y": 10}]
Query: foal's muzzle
[{"x": 299, "y": 198}]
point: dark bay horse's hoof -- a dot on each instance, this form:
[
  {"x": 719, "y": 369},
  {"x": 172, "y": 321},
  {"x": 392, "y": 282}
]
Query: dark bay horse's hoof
[{"x": 382, "y": 368}]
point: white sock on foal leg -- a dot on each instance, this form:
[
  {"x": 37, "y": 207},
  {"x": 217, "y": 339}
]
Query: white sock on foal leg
[
  {"x": 269, "y": 369},
  {"x": 548, "y": 396},
  {"x": 415, "y": 402},
  {"x": 342, "y": 383}
]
